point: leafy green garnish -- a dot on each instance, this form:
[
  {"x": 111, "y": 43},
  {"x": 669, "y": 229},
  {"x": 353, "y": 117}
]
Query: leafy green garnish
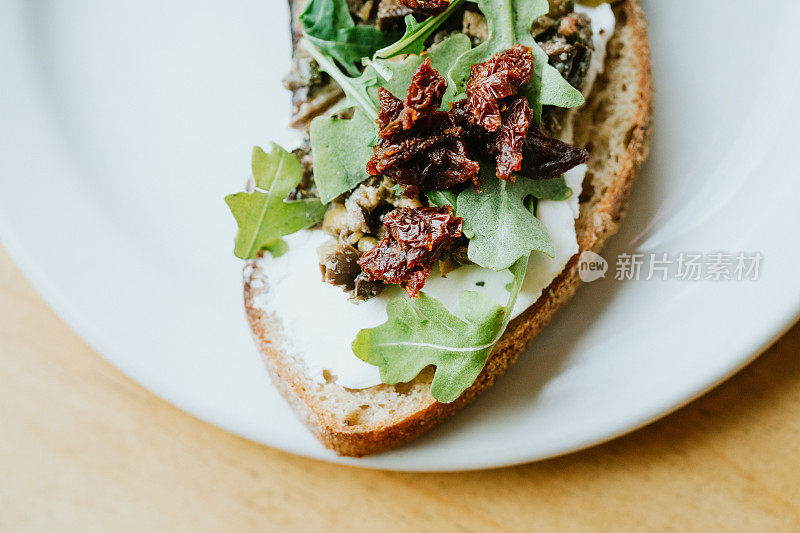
[
  {"x": 552, "y": 189},
  {"x": 276, "y": 247},
  {"x": 356, "y": 89},
  {"x": 341, "y": 152},
  {"x": 499, "y": 222},
  {"x": 442, "y": 198},
  {"x": 328, "y": 24},
  {"x": 510, "y": 23},
  {"x": 264, "y": 215},
  {"x": 413, "y": 41},
  {"x": 422, "y": 331}
]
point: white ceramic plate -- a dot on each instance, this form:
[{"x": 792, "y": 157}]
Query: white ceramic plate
[{"x": 123, "y": 124}]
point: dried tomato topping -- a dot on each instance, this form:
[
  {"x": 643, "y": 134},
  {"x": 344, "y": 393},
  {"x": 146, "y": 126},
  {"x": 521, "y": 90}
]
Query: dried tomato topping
[
  {"x": 448, "y": 167},
  {"x": 510, "y": 137},
  {"x": 420, "y": 146},
  {"x": 415, "y": 239},
  {"x": 423, "y": 100},
  {"x": 424, "y": 95},
  {"x": 399, "y": 157},
  {"x": 505, "y": 119},
  {"x": 427, "y": 7},
  {"x": 434, "y": 161},
  {"x": 389, "y": 108},
  {"x": 423, "y": 227},
  {"x": 544, "y": 157},
  {"x": 495, "y": 79},
  {"x": 423, "y": 148}
]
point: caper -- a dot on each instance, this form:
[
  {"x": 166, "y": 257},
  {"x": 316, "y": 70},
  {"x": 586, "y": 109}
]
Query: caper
[{"x": 366, "y": 244}]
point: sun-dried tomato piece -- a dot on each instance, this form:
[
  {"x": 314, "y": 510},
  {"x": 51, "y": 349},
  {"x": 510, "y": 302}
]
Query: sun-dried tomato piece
[
  {"x": 504, "y": 120},
  {"x": 424, "y": 95},
  {"x": 420, "y": 146},
  {"x": 435, "y": 161},
  {"x": 413, "y": 244},
  {"x": 389, "y": 108},
  {"x": 544, "y": 157},
  {"x": 423, "y": 99},
  {"x": 423, "y": 227},
  {"x": 495, "y": 79},
  {"x": 427, "y": 7},
  {"x": 510, "y": 137},
  {"x": 390, "y": 155},
  {"x": 448, "y": 167}
]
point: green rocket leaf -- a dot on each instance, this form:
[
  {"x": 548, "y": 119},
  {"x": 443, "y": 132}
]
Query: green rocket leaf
[
  {"x": 341, "y": 152},
  {"x": 442, "y": 198},
  {"x": 329, "y": 25},
  {"x": 499, "y": 223},
  {"x": 413, "y": 41},
  {"x": 264, "y": 215},
  {"x": 358, "y": 90},
  {"x": 421, "y": 331}
]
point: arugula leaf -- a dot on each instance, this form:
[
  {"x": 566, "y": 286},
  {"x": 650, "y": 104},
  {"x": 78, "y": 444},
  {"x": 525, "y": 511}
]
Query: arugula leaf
[
  {"x": 552, "y": 189},
  {"x": 421, "y": 332},
  {"x": 329, "y": 25},
  {"x": 499, "y": 223},
  {"x": 356, "y": 89},
  {"x": 276, "y": 247},
  {"x": 413, "y": 41},
  {"x": 341, "y": 149},
  {"x": 442, "y": 198},
  {"x": 264, "y": 215},
  {"x": 510, "y": 23},
  {"x": 395, "y": 76},
  {"x": 554, "y": 89}
]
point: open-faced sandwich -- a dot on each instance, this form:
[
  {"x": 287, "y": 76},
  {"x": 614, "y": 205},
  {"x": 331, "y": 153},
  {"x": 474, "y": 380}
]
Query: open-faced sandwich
[{"x": 459, "y": 155}]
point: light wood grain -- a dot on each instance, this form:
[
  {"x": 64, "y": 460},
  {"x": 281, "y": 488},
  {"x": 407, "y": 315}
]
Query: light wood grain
[{"x": 83, "y": 448}]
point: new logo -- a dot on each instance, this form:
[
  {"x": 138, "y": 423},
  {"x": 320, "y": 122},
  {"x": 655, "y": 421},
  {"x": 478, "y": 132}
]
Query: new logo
[{"x": 591, "y": 266}]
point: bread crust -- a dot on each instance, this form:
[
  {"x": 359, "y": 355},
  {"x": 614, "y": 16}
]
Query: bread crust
[{"x": 599, "y": 220}]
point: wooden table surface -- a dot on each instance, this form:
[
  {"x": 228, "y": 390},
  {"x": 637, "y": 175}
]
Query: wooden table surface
[{"x": 83, "y": 448}]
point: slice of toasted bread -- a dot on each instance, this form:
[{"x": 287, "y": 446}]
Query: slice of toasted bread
[{"x": 615, "y": 126}]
